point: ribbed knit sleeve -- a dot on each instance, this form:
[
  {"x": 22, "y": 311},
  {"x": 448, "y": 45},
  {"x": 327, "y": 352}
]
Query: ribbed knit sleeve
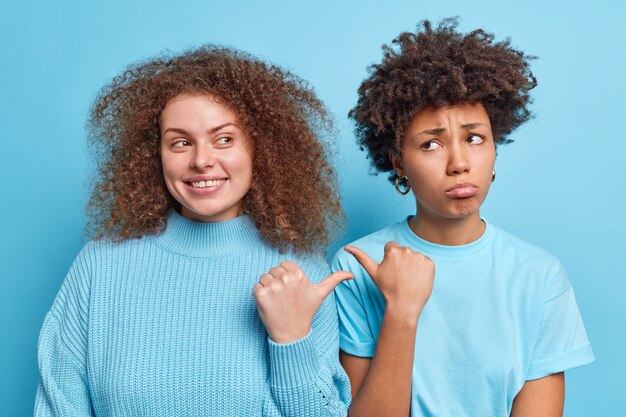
[
  {"x": 63, "y": 388},
  {"x": 306, "y": 378}
]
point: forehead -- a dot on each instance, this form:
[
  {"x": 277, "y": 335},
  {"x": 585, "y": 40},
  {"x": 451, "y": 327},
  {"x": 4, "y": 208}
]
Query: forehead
[
  {"x": 456, "y": 114},
  {"x": 196, "y": 110}
]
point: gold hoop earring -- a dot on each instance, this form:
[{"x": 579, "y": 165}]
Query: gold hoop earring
[
  {"x": 405, "y": 180},
  {"x": 493, "y": 176}
]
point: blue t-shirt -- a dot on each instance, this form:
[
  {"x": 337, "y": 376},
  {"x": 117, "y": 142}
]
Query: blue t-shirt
[{"x": 502, "y": 312}]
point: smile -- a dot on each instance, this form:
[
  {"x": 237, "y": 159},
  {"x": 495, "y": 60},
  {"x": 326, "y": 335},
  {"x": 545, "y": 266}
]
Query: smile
[{"x": 206, "y": 184}]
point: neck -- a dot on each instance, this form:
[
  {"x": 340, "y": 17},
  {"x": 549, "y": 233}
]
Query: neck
[{"x": 448, "y": 232}]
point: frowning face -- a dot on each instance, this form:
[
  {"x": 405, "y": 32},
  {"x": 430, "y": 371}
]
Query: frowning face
[
  {"x": 206, "y": 157},
  {"x": 448, "y": 155}
]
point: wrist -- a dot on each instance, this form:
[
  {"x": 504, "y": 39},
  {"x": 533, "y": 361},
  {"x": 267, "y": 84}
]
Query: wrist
[
  {"x": 405, "y": 313},
  {"x": 289, "y": 336}
]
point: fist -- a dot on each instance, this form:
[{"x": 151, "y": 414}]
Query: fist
[
  {"x": 287, "y": 300},
  {"x": 404, "y": 277}
]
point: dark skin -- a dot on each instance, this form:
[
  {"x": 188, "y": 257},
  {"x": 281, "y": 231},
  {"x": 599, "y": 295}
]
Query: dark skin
[
  {"x": 542, "y": 397},
  {"x": 405, "y": 279},
  {"x": 448, "y": 155}
]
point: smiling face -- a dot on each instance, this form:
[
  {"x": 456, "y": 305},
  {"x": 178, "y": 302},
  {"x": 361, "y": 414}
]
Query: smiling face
[
  {"x": 206, "y": 158},
  {"x": 448, "y": 155}
]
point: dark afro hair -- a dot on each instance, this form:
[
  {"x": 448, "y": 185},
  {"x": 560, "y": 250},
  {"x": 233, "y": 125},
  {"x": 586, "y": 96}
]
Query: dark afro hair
[{"x": 438, "y": 67}]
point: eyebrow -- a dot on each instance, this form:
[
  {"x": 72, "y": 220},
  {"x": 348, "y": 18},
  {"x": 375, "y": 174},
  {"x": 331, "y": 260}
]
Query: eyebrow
[
  {"x": 438, "y": 130},
  {"x": 470, "y": 126},
  {"x": 213, "y": 130},
  {"x": 434, "y": 131}
]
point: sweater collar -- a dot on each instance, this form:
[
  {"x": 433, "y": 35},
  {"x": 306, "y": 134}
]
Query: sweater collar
[{"x": 208, "y": 240}]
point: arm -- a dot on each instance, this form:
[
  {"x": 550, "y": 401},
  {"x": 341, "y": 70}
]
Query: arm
[
  {"x": 63, "y": 389},
  {"x": 382, "y": 386},
  {"x": 306, "y": 378},
  {"x": 541, "y": 397}
]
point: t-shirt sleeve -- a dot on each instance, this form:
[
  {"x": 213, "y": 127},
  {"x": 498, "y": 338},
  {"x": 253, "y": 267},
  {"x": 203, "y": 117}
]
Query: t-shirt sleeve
[
  {"x": 355, "y": 335},
  {"x": 562, "y": 341}
]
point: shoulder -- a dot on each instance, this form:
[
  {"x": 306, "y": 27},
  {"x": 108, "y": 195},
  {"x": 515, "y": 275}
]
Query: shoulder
[
  {"x": 104, "y": 247},
  {"x": 529, "y": 261},
  {"x": 313, "y": 264},
  {"x": 372, "y": 244},
  {"x": 522, "y": 251},
  {"x": 102, "y": 254}
]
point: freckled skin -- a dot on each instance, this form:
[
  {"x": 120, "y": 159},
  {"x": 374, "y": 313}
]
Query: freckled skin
[{"x": 193, "y": 145}]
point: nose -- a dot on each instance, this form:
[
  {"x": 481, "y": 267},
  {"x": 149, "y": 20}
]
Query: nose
[
  {"x": 203, "y": 157},
  {"x": 458, "y": 162}
]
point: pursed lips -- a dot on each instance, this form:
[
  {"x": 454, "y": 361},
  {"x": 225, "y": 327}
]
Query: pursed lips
[{"x": 462, "y": 190}]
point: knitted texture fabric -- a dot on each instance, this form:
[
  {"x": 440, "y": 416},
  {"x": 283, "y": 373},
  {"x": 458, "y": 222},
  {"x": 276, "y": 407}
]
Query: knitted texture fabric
[{"x": 166, "y": 325}]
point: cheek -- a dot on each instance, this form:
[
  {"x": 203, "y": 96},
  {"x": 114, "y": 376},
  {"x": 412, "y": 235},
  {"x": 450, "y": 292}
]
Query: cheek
[
  {"x": 171, "y": 168},
  {"x": 422, "y": 174},
  {"x": 168, "y": 170},
  {"x": 240, "y": 164},
  {"x": 485, "y": 166},
  {"x": 166, "y": 162},
  {"x": 247, "y": 174}
]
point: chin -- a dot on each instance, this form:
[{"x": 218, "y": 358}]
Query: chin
[{"x": 465, "y": 209}]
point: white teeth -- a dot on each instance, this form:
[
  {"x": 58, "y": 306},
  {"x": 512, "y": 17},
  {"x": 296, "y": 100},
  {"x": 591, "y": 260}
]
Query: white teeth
[{"x": 209, "y": 183}]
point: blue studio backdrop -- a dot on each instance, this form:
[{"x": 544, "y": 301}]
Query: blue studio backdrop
[{"x": 560, "y": 185}]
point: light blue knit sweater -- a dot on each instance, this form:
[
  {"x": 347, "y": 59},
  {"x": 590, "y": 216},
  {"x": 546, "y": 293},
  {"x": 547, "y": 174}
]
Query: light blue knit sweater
[{"x": 167, "y": 325}]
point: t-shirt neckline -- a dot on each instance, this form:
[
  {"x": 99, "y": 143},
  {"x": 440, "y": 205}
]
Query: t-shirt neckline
[{"x": 429, "y": 248}]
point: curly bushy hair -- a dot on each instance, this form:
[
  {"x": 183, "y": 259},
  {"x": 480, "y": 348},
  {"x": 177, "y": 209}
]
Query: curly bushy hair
[
  {"x": 293, "y": 198},
  {"x": 438, "y": 67}
]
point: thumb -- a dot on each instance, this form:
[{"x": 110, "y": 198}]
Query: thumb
[
  {"x": 329, "y": 283},
  {"x": 389, "y": 245},
  {"x": 363, "y": 258}
]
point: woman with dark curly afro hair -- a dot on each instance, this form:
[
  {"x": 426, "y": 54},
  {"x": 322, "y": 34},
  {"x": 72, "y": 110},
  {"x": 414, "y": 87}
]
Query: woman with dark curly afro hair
[
  {"x": 498, "y": 321},
  {"x": 203, "y": 292}
]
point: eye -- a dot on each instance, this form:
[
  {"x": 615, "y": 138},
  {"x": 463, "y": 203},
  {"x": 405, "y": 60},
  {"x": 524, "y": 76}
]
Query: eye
[
  {"x": 180, "y": 143},
  {"x": 431, "y": 145},
  {"x": 224, "y": 140},
  {"x": 475, "y": 139}
]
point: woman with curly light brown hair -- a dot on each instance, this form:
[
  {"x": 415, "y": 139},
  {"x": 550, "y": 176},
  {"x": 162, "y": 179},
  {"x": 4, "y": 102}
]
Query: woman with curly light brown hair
[
  {"x": 204, "y": 291},
  {"x": 498, "y": 321}
]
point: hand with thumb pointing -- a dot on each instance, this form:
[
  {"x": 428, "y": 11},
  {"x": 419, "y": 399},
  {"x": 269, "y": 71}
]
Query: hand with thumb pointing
[
  {"x": 287, "y": 300},
  {"x": 404, "y": 277}
]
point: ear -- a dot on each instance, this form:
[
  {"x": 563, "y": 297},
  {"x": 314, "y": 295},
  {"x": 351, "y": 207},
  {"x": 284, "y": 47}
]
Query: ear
[{"x": 396, "y": 162}]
